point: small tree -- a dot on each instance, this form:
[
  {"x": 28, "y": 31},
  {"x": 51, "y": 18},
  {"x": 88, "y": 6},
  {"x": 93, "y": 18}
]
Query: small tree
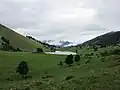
[
  {"x": 69, "y": 59},
  {"x": 95, "y": 49},
  {"x": 18, "y": 50},
  {"x": 39, "y": 50},
  {"x": 77, "y": 58},
  {"x": 76, "y": 51},
  {"x": 22, "y": 68},
  {"x": 5, "y": 40}
]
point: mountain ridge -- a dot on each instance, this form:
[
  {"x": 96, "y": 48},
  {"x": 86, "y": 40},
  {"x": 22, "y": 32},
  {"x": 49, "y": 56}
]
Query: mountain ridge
[{"x": 107, "y": 39}]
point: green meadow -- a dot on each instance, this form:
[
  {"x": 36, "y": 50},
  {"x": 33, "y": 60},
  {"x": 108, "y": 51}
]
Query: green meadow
[{"x": 97, "y": 74}]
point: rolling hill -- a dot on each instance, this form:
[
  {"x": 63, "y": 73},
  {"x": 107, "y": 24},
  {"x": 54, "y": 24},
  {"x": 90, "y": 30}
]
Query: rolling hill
[
  {"x": 106, "y": 39},
  {"x": 19, "y": 41}
]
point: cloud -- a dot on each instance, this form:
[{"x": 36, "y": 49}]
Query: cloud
[{"x": 73, "y": 20}]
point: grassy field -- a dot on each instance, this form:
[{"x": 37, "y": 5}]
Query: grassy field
[{"x": 95, "y": 75}]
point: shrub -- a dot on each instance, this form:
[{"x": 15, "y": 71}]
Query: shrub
[
  {"x": 39, "y": 50},
  {"x": 5, "y": 40},
  {"x": 69, "y": 59},
  {"x": 105, "y": 53},
  {"x": 92, "y": 54},
  {"x": 116, "y": 52},
  {"x": 95, "y": 49},
  {"x": 77, "y": 58},
  {"x": 76, "y": 51},
  {"x": 22, "y": 68},
  {"x": 69, "y": 77},
  {"x": 87, "y": 61},
  {"x": 18, "y": 50},
  {"x": 102, "y": 59}
]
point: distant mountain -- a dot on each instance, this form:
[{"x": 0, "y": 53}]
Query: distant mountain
[
  {"x": 106, "y": 39},
  {"x": 19, "y": 41},
  {"x": 59, "y": 43}
]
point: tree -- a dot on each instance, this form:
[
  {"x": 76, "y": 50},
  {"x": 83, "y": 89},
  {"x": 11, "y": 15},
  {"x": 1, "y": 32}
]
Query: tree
[
  {"x": 5, "y": 40},
  {"x": 95, "y": 49},
  {"x": 22, "y": 68},
  {"x": 76, "y": 51},
  {"x": 39, "y": 50},
  {"x": 77, "y": 58},
  {"x": 69, "y": 60},
  {"x": 18, "y": 50}
]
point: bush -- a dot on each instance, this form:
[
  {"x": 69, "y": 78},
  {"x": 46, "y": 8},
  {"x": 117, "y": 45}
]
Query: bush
[
  {"x": 76, "y": 51},
  {"x": 39, "y": 50},
  {"x": 102, "y": 59},
  {"x": 69, "y": 77},
  {"x": 18, "y": 50},
  {"x": 69, "y": 60},
  {"x": 116, "y": 52},
  {"x": 95, "y": 49},
  {"x": 77, "y": 58},
  {"x": 5, "y": 40},
  {"x": 105, "y": 53},
  {"x": 22, "y": 68},
  {"x": 87, "y": 61}
]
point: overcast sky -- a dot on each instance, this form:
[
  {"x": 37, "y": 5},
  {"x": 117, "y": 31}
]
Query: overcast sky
[{"x": 74, "y": 20}]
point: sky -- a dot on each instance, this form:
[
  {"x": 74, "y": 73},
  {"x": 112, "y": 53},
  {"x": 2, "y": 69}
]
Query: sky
[{"x": 72, "y": 20}]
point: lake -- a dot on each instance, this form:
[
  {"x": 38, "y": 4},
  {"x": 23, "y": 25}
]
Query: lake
[{"x": 61, "y": 53}]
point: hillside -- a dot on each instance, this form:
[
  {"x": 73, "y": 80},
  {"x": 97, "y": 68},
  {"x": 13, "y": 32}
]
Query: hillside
[
  {"x": 94, "y": 71},
  {"x": 106, "y": 39},
  {"x": 19, "y": 41}
]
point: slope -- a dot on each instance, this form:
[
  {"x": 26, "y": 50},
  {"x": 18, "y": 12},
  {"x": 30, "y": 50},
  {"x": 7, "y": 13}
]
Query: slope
[
  {"x": 17, "y": 40},
  {"x": 108, "y": 39}
]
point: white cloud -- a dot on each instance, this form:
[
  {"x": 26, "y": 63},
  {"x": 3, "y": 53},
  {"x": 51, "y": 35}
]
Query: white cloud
[{"x": 74, "y": 20}]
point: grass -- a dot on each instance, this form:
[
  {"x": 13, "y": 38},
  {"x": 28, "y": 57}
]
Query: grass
[
  {"x": 95, "y": 75},
  {"x": 19, "y": 41}
]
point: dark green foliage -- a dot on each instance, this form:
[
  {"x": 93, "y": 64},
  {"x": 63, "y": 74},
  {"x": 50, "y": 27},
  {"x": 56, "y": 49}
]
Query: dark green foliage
[
  {"x": 80, "y": 46},
  {"x": 103, "y": 46},
  {"x": 95, "y": 49},
  {"x": 102, "y": 59},
  {"x": 39, "y": 50},
  {"x": 69, "y": 59},
  {"x": 18, "y": 50},
  {"x": 105, "y": 53},
  {"x": 76, "y": 51},
  {"x": 87, "y": 61},
  {"x": 115, "y": 52},
  {"x": 22, "y": 68},
  {"x": 52, "y": 49},
  {"x": 69, "y": 77},
  {"x": 6, "y": 45},
  {"x": 92, "y": 54},
  {"x": 77, "y": 58},
  {"x": 89, "y": 57},
  {"x": 5, "y": 40}
]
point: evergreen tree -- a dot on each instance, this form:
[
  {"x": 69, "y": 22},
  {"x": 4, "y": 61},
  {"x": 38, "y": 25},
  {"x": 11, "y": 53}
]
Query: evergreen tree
[
  {"x": 22, "y": 68},
  {"x": 77, "y": 58},
  {"x": 69, "y": 59}
]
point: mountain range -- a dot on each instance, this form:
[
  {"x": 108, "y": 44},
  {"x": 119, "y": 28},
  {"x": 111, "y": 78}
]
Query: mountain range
[
  {"x": 59, "y": 43},
  {"x": 27, "y": 44}
]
